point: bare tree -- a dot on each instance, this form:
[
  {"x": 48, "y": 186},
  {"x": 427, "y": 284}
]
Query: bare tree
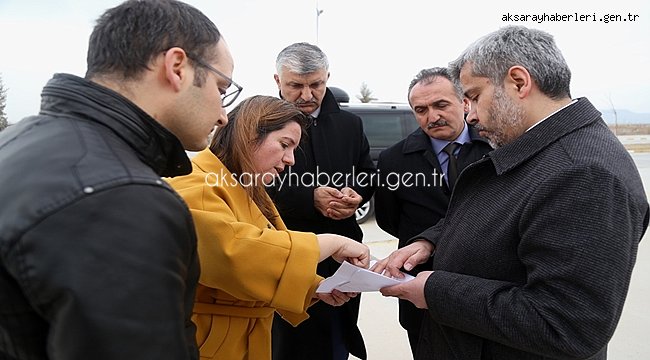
[
  {"x": 3, "y": 102},
  {"x": 366, "y": 94},
  {"x": 609, "y": 97}
]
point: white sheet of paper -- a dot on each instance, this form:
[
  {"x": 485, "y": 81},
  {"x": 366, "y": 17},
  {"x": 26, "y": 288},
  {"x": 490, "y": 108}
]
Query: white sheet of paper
[{"x": 350, "y": 278}]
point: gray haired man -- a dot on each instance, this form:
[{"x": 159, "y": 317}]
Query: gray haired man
[{"x": 542, "y": 268}]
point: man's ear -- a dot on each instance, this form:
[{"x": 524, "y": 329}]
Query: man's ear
[
  {"x": 518, "y": 79},
  {"x": 176, "y": 68},
  {"x": 466, "y": 105},
  {"x": 277, "y": 79}
]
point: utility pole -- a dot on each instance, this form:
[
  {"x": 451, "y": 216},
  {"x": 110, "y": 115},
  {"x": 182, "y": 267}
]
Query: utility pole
[{"x": 318, "y": 12}]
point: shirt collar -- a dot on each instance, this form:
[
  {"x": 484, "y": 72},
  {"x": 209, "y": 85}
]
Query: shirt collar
[
  {"x": 553, "y": 113},
  {"x": 464, "y": 137},
  {"x": 315, "y": 113}
]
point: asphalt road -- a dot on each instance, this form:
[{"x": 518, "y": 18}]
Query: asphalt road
[{"x": 386, "y": 340}]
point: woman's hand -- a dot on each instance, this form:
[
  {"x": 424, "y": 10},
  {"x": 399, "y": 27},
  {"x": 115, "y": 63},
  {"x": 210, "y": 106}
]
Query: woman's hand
[
  {"x": 341, "y": 248},
  {"x": 336, "y": 297}
]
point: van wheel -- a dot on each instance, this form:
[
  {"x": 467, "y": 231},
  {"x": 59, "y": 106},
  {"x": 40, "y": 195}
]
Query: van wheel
[{"x": 365, "y": 211}]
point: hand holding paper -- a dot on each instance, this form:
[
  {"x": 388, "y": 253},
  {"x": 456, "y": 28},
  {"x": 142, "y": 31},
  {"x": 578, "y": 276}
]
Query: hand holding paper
[{"x": 350, "y": 278}]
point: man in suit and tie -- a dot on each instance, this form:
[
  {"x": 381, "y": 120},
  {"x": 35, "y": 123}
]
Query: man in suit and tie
[{"x": 443, "y": 145}]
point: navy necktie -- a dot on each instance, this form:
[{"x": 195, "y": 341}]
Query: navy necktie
[{"x": 452, "y": 167}]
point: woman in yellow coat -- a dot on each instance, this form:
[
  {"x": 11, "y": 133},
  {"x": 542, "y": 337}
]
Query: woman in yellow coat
[{"x": 251, "y": 265}]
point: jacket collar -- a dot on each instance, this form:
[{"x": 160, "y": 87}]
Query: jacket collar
[
  {"x": 328, "y": 105},
  {"x": 571, "y": 118},
  {"x": 208, "y": 162},
  {"x": 69, "y": 95},
  {"x": 419, "y": 141}
]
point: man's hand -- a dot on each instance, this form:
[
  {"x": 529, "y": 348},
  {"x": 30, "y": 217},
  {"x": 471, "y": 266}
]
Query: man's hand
[
  {"x": 336, "y": 204},
  {"x": 344, "y": 207},
  {"x": 412, "y": 291},
  {"x": 336, "y": 297},
  {"x": 407, "y": 257},
  {"x": 323, "y": 196}
]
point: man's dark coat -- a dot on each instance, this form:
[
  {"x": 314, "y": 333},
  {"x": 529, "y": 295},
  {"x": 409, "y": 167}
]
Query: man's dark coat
[
  {"x": 335, "y": 146},
  {"x": 535, "y": 255},
  {"x": 412, "y": 196},
  {"x": 97, "y": 253}
]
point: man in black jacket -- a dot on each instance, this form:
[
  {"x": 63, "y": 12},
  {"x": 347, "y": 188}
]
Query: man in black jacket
[
  {"x": 320, "y": 193},
  {"x": 414, "y": 187},
  {"x": 535, "y": 255},
  {"x": 97, "y": 254}
]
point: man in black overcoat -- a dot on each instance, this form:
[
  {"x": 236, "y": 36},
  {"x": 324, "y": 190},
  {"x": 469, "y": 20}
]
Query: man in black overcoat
[
  {"x": 414, "y": 190},
  {"x": 320, "y": 193}
]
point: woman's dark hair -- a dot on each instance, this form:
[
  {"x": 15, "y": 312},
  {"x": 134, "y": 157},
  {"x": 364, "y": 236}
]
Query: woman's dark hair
[{"x": 249, "y": 123}]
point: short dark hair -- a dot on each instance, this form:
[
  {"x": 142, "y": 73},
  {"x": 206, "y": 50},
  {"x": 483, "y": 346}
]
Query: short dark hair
[
  {"x": 129, "y": 36},
  {"x": 427, "y": 76}
]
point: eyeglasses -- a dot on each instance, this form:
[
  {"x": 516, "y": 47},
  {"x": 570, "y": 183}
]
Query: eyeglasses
[{"x": 231, "y": 93}]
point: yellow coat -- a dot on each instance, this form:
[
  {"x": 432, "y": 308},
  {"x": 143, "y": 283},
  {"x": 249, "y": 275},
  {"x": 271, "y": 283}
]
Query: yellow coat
[{"x": 249, "y": 267}]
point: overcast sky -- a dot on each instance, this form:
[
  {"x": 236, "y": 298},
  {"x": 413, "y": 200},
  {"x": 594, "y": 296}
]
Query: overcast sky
[{"x": 381, "y": 43}]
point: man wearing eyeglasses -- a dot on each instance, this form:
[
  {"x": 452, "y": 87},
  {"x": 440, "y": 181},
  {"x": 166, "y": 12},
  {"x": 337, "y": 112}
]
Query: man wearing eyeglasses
[
  {"x": 97, "y": 254},
  {"x": 337, "y": 155}
]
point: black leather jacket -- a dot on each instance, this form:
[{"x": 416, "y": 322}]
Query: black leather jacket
[{"x": 97, "y": 253}]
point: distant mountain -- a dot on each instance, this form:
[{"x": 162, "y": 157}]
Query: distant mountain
[{"x": 625, "y": 117}]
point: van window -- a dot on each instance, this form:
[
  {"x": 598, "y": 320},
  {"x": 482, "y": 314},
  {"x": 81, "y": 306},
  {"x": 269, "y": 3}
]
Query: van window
[{"x": 382, "y": 130}]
